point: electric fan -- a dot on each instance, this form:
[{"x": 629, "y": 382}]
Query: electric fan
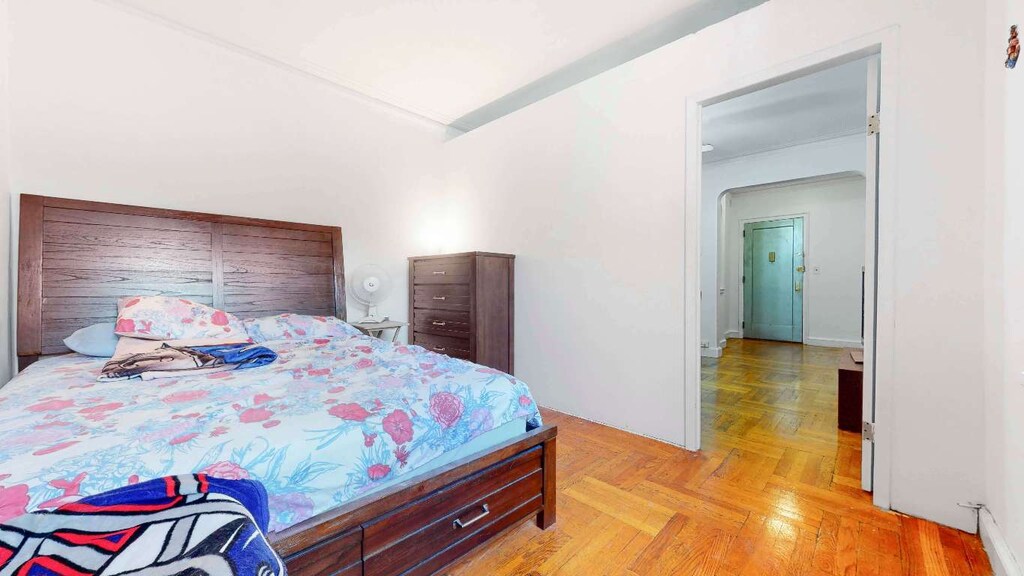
[{"x": 370, "y": 285}]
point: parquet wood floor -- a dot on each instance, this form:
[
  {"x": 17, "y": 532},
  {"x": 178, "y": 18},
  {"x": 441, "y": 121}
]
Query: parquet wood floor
[{"x": 775, "y": 490}]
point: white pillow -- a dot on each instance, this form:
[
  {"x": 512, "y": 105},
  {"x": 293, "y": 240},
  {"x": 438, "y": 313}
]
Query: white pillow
[{"x": 96, "y": 340}]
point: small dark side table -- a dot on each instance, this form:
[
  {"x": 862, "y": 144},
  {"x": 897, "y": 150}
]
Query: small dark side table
[{"x": 851, "y": 392}]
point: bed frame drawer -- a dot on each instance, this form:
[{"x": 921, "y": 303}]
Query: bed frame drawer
[
  {"x": 442, "y": 271},
  {"x": 443, "y": 323},
  {"x": 454, "y": 347},
  {"x": 410, "y": 528},
  {"x": 341, "y": 555},
  {"x": 421, "y": 533},
  {"x": 445, "y": 557},
  {"x": 442, "y": 296}
]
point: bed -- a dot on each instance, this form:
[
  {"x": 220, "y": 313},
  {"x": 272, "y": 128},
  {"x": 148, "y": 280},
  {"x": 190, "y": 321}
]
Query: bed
[{"x": 379, "y": 458}]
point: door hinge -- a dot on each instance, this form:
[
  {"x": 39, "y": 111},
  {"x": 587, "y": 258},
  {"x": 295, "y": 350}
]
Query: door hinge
[
  {"x": 874, "y": 124},
  {"x": 743, "y": 324},
  {"x": 744, "y": 281},
  {"x": 867, "y": 431},
  {"x": 744, "y": 233}
]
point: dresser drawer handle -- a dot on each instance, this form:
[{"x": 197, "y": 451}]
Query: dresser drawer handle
[
  {"x": 436, "y": 323},
  {"x": 439, "y": 272},
  {"x": 440, "y": 297},
  {"x": 460, "y": 524},
  {"x": 439, "y": 348}
]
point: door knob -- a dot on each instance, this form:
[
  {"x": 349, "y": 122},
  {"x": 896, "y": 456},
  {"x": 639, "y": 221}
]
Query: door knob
[{"x": 800, "y": 268}]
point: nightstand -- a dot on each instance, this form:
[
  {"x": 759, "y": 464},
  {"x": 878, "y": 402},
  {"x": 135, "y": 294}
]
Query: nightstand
[{"x": 376, "y": 329}]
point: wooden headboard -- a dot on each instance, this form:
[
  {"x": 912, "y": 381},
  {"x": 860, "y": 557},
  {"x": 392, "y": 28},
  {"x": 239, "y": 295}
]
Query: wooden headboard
[{"x": 77, "y": 258}]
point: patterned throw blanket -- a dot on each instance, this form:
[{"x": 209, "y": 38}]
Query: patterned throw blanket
[
  {"x": 192, "y": 524},
  {"x": 167, "y": 360}
]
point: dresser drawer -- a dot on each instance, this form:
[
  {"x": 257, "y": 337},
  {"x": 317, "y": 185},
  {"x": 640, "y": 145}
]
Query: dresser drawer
[
  {"x": 416, "y": 535},
  {"x": 442, "y": 271},
  {"x": 441, "y": 296},
  {"x": 442, "y": 323},
  {"x": 338, "y": 556},
  {"x": 454, "y": 347}
]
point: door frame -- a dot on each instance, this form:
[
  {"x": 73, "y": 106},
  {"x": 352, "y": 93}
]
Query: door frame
[
  {"x": 741, "y": 305},
  {"x": 880, "y": 260}
]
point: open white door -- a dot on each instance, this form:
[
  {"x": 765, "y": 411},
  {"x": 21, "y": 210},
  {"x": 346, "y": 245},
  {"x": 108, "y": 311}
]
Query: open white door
[{"x": 870, "y": 271}]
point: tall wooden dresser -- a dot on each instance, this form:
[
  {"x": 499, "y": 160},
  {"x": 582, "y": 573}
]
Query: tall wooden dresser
[{"x": 462, "y": 305}]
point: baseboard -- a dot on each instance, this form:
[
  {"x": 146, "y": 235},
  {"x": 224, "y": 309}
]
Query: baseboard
[
  {"x": 999, "y": 553},
  {"x": 619, "y": 428},
  {"x": 826, "y": 342},
  {"x": 833, "y": 343},
  {"x": 711, "y": 352}
]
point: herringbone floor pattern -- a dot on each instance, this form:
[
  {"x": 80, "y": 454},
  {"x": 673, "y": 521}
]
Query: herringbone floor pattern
[{"x": 775, "y": 490}]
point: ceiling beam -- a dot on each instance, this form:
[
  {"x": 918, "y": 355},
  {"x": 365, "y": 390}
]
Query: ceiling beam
[{"x": 682, "y": 23}]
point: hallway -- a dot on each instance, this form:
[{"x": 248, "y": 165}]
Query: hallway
[{"x": 777, "y": 401}]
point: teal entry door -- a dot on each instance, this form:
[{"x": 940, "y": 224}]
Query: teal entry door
[{"x": 773, "y": 276}]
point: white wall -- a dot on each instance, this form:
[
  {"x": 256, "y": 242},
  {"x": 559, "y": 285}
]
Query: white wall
[
  {"x": 110, "y": 106},
  {"x": 6, "y": 352},
  {"x": 833, "y": 156},
  {"x": 1003, "y": 283},
  {"x": 587, "y": 187},
  {"x": 1010, "y": 408},
  {"x": 833, "y": 212}
]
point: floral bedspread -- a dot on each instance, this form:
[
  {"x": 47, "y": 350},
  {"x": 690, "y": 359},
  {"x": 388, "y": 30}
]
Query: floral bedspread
[{"x": 329, "y": 421}]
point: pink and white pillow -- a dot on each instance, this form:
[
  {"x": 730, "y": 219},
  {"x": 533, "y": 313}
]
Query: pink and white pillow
[
  {"x": 169, "y": 318},
  {"x": 298, "y": 327}
]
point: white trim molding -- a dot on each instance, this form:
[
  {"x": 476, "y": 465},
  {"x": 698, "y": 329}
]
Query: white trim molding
[
  {"x": 802, "y": 142},
  {"x": 353, "y": 89},
  {"x": 833, "y": 342},
  {"x": 614, "y": 427},
  {"x": 878, "y": 368},
  {"x": 715, "y": 352},
  {"x": 999, "y": 554}
]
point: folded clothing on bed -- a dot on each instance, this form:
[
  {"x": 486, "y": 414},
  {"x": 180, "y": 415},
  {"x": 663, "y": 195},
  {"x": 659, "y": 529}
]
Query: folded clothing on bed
[
  {"x": 190, "y": 524},
  {"x": 150, "y": 359}
]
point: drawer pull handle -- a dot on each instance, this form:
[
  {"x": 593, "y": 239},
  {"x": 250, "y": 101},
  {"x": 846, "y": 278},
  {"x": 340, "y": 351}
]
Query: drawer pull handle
[
  {"x": 439, "y": 272},
  {"x": 436, "y": 323},
  {"x": 440, "y": 348},
  {"x": 460, "y": 524},
  {"x": 440, "y": 297}
]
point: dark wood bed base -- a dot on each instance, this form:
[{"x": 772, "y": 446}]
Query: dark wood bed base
[
  {"x": 424, "y": 524},
  {"x": 77, "y": 258}
]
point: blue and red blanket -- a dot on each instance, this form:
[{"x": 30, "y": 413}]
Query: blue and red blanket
[{"x": 192, "y": 524}]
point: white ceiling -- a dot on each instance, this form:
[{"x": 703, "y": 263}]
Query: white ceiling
[
  {"x": 440, "y": 59},
  {"x": 820, "y": 106}
]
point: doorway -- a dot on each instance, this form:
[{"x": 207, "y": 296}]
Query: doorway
[
  {"x": 773, "y": 271},
  {"x": 880, "y": 175}
]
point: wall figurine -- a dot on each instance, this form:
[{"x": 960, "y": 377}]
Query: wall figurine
[{"x": 1013, "y": 50}]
